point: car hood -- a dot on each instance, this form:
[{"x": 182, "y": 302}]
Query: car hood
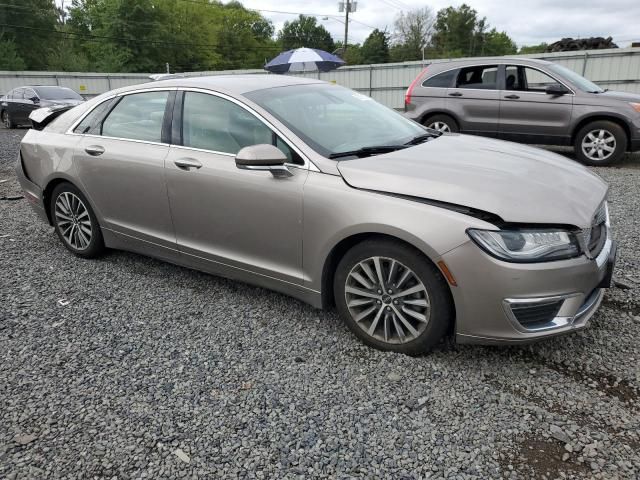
[
  {"x": 516, "y": 182},
  {"x": 622, "y": 96}
]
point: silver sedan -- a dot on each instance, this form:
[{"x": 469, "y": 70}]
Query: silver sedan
[{"x": 323, "y": 194}]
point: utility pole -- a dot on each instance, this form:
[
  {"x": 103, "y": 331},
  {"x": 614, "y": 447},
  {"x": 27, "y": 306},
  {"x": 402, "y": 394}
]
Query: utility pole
[{"x": 348, "y": 6}]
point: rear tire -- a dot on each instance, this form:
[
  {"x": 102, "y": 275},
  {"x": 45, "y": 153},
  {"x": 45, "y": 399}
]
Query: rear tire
[
  {"x": 381, "y": 313},
  {"x": 7, "y": 121},
  {"x": 600, "y": 143},
  {"x": 74, "y": 221},
  {"x": 442, "y": 123}
]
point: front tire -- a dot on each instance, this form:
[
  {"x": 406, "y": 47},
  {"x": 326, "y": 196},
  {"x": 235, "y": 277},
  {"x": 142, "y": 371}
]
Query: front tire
[
  {"x": 600, "y": 143},
  {"x": 7, "y": 121},
  {"x": 74, "y": 221},
  {"x": 392, "y": 297},
  {"x": 441, "y": 123}
]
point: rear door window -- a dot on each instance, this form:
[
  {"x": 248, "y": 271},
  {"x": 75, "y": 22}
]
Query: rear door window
[
  {"x": 482, "y": 77},
  {"x": 137, "y": 116},
  {"x": 441, "y": 80},
  {"x": 92, "y": 123}
]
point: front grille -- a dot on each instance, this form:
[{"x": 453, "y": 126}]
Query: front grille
[{"x": 536, "y": 314}]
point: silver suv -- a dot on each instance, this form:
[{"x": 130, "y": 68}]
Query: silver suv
[{"x": 529, "y": 101}]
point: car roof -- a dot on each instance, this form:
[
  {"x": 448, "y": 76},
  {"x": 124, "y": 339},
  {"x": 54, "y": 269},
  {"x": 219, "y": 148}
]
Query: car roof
[
  {"x": 234, "y": 84},
  {"x": 490, "y": 60}
]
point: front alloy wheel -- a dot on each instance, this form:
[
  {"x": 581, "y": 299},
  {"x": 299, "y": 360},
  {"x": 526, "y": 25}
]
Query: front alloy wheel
[
  {"x": 392, "y": 297},
  {"x": 600, "y": 143},
  {"x": 75, "y": 222},
  {"x": 387, "y": 300}
]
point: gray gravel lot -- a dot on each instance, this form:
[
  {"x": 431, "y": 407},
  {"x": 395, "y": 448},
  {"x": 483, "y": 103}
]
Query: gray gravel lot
[{"x": 155, "y": 371}]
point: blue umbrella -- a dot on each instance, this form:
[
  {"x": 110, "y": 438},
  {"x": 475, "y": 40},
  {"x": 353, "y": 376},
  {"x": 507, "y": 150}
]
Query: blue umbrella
[{"x": 304, "y": 60}]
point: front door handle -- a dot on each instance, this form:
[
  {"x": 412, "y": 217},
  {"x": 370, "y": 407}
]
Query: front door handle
[
  {"x": 512, "y": 97},
  {"x": 94, "y": 150},
  {"x": 455, "y": 94},
  {"x": 187, "y": 163}
]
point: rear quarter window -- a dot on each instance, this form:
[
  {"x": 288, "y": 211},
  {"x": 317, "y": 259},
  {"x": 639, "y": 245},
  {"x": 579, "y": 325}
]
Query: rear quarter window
[{"x": 441, "y": 80}]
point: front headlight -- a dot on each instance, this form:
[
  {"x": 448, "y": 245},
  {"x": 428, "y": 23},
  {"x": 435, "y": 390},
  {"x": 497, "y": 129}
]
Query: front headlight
[{"x": 527, "y": 245}]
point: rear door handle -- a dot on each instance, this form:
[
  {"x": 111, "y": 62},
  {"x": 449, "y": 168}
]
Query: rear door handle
[
  {"x": 455, "y": 94},
  {"x": 187, "y": 163},
  {"x": 94, "y": 150},
  {"x": 512, "y": 97}
]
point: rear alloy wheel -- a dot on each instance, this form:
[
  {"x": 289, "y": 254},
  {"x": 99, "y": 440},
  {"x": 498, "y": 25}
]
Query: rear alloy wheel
[
  {"x": 600, "y": 143},
  {"x": 392, "y": 298},
  {"x": 441, "y": 123},
  {"x": 6, "y": 120},
  {"x": 75, "y": 222}
]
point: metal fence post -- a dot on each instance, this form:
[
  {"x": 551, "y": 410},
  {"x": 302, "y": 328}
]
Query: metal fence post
[
  {"x": 370, "y": 80},
  {"x": 584, "y": 62}
]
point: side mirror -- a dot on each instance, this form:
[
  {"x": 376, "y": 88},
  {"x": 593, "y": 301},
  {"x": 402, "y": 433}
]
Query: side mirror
[
  {"x": 35, "y": 99},
  {"x": 263, "y": 157},
  {"x": 556, "y": 89}
]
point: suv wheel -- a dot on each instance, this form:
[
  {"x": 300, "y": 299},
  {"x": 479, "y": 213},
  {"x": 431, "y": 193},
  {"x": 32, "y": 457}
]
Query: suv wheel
[
  {"x": 75, "y": 222},
  {"x": 600, "y": 143},
  {"x": 392, "y": 298},
  {"x": 441, "y": 123},
  {"x": 6, "y": 120}
]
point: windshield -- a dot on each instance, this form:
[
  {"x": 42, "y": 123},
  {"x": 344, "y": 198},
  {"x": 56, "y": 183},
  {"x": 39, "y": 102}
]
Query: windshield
[
  {"x": 332, "y": 119},
  {"x": 578, "y": 80},
  {"x": 57, "y": 93}
]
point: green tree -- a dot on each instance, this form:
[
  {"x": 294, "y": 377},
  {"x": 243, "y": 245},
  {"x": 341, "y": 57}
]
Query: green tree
[
  {"x": 9, "y": 57},
  {"x": 497, "y": 43},
  {"x": 459, "y": 32},
  {"x": 244, "y": 38},
  {"x": 30, "y": 26},
  {"x": 353, "y": 55},
  {"x": 305, "y": 32},
  {"x": 375, "y": 48},
  {"x": 412, "y": 32},
  {"x": 540, "y": 48}
]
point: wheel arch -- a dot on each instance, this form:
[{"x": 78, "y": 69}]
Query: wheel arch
[
  {"x": 433, "y": 113},
  {"x": 52, "y": 183},
  {"x": 602, "y": 117},
  {"x": 345, "y": 244}
]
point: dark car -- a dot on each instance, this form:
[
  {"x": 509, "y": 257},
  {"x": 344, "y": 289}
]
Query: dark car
[
  {"x": 17, "y": 105},
  {"x": 527, "y": 100}
]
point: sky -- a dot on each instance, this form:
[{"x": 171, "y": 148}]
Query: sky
[{"x": 527, "y": 22}]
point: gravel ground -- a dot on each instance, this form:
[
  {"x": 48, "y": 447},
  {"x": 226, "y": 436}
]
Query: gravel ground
[{"x": 127, "y": 367}]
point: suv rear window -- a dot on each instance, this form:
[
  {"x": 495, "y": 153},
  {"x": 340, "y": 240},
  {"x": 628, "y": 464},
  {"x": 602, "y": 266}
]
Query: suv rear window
[
  {"x": 441, "y": 80},
  {"x": 482, "y": 77}
]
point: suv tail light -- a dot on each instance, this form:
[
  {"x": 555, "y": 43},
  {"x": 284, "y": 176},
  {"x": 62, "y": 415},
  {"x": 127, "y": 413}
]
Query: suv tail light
[{"x": 407, "y": 96}]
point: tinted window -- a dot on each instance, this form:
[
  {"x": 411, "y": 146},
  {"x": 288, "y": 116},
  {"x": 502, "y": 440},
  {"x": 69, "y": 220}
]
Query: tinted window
[
  {"x": 442, "y": 80},
  {"x": 138, "y": 117},
  {"x": 482, "y": 77},
  {"x": 57, "y": 93},
  {"x": 527, "y": 79},
  {"x": 91, "y": 123},
  {"x": 213, "y": 123},
  {"x": 29, "y": 94}
]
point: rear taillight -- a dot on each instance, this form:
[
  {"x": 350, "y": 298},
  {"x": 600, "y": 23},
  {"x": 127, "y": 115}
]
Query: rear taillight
[{"x": 407, "y": 96}]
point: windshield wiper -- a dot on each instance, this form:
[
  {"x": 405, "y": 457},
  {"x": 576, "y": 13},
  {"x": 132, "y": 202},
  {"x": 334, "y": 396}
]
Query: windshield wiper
[
  {"x": 366, "y": 151},
  {"x": 423, "y": 137}
]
